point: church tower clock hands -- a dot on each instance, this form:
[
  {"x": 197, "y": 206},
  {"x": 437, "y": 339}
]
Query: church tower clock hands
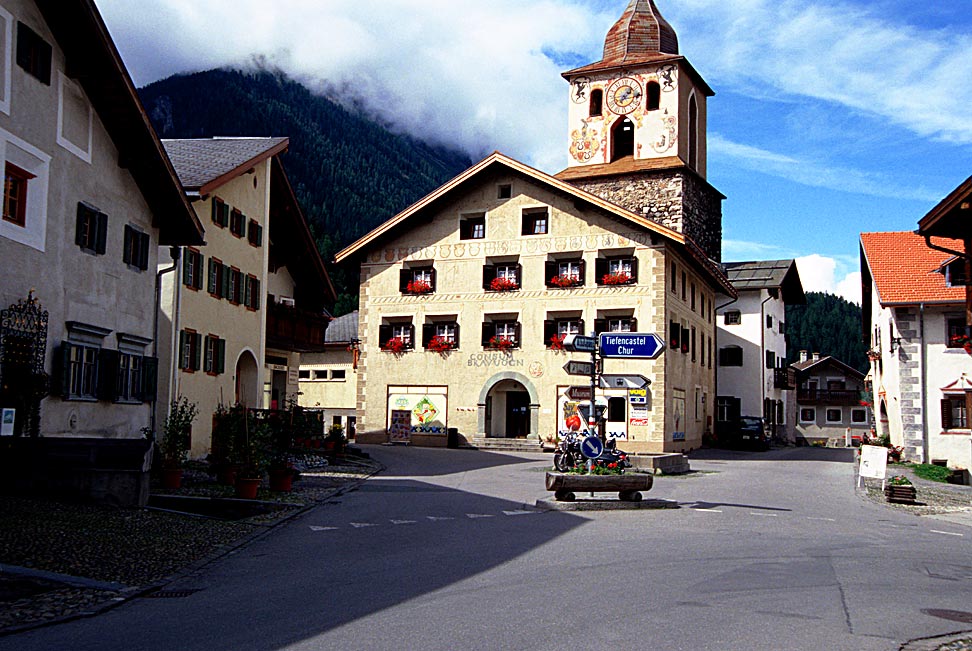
[{"x": 637, "y": 128}]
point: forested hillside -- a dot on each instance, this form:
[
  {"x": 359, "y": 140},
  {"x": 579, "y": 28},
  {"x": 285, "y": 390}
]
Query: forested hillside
[
  {"x": 828, "y": 325},
  {"x": 349, "y": 173}
]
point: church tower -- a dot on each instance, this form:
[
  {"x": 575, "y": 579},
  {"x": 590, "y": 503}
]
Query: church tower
[{"x": 637, "y": 129}]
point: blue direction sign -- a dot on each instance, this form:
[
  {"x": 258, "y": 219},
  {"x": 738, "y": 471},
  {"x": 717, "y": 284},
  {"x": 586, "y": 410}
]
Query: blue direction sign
[
  {"x": 591, "y": 447},
  {"x": 631, "y": 344},
  {"x": 580, "y": 343}
]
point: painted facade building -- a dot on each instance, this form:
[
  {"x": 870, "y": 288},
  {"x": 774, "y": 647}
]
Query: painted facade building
[
  {"x": 89, "y": 196},
  {"x": 831, "y": 401},
  {"x": 752, "y": 372},
  {"x": 237, "y": 312},
  {"x": 329, "y": 379},
  {"x": 914, "y": 320}
]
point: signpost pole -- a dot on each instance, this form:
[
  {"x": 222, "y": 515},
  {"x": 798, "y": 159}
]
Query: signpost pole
[{"x": 592, "y": 417}]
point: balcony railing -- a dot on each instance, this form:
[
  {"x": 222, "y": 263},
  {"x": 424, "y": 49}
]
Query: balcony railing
[
  {"x": 783, "y": 379},
  {"x": 295, "y": 330},
  {"x": 829, "y": 396}
]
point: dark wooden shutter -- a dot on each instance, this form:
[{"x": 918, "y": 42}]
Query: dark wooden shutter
[
  {"x": 634, "y": 324},
  {"x": 107, "y": 372},
  {"x": 428, "y": 331},
  {"x": 150, "y": 379},
  {"x": 411, "y": 335},
  {"x": 583, "y": 271},
  {"x": 196, "y": 350},
  {"x": 404, "y": 278},
  {"x": 220, "y": 356},
  {"x": 384, "y": 334},
  {"x": 580, "y": 324},
  {"x": 61, "y": 371},
  {"x": 673, "y": 334},
  {"x": 101, "y": 232},
  {"x": 600, "y": 270},
  {"x": 634, "y": 269},
  {"x": 549, "y": 272},
  {"x": 600, "y": 325},
  {"x": 489, "y": 275},
  {"x": 457, "y": 334},
  {"x": 79, "y": 224},
  {"x": 489, "y": 329},
  {"x": 259, "y": 235},
  {"x": 143, "y": 251},
  {"x": 549, "y": 330},
  {"x": 127, "y": 252},
  {"x": 197, "y": 271},
  {"x": 518, "y": 335},
  {"x": 432, "y": 270},
  {"x": 519, "y": 275},
  {"x": 946, "y": 413},
  {"x": 465, "y": 229}
]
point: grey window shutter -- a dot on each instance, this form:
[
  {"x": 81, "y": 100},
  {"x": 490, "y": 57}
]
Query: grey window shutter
[
  {"x": 79, "y": 224},
  {"x": 61, "y": 371},
  {"x": 127, "y": 252},
  {"x": 220, "y": 355},
  {"x": 101, "y": 232},
  {"x": 143, "y": 251}
]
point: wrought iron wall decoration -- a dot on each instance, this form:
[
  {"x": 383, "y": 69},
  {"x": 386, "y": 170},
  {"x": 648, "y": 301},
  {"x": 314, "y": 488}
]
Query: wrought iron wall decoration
[{"x": 23, "y": 349}]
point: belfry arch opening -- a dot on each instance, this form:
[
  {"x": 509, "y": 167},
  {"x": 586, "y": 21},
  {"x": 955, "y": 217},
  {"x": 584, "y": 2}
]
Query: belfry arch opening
[{"x": 622, "y": 139}]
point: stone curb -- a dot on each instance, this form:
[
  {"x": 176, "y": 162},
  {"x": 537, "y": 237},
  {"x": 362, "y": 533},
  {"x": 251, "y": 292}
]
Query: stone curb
[
  {"x": 129, "y": 593},
  {"x": 594, "y": 504},
  {"x": 934, "y": 643}
]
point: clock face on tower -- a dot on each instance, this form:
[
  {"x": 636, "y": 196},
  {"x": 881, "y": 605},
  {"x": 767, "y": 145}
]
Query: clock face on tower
[{"x": 624, "y": 95}]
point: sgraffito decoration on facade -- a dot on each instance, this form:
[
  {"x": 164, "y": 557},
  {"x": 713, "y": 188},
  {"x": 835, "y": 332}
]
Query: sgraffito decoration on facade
[
  {"x": 668, "y": 78},
  {"x": 23, "y": 349},
  {"x": 584, "y": 143},
  {"x": 578, "y": 93},
  {"x": 668, "y": 136},
  {"x": 486, "y": 360}
]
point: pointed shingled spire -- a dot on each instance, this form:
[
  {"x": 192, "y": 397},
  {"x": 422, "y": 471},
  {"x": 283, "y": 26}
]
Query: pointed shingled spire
[{"x": 640, "y": 31}]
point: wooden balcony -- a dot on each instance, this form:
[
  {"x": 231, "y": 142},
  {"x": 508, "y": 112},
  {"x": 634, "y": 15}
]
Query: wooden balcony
[
  {"x": 828, "y": 396},
  {"x": 295, "y": 330}
]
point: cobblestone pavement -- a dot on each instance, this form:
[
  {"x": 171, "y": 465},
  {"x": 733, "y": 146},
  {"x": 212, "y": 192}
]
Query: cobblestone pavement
[{"x": 59, "y": 560}]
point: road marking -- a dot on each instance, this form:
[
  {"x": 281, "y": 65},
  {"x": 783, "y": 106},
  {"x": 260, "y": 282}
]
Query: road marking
[
  {"x": 708, "y": 510},
  {"x": 519, "y": 512},
  {"x": 404, "y": 521},
  {"x": 478, "y": 515},
  {"x": 437, "y": 519},
  {"x": 948, "y": 533},
  {"x": 313, "y": 528},
  {"x": 764, "y": 515},
  {"x": 823, "y": 519},
  {"x": 361, "y": 525}
]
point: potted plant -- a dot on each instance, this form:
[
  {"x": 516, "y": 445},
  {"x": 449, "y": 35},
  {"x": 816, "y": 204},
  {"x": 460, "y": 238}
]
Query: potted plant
[
  {"x": 227, "y": 430},
  {"x": 395, "y": 345},
  {"x": 503, "y": 285},
  {"x": 565, "y": 281},
  {"x": 900, "y": 489},
  {"x": 440, "y": 345},
  {"x": 620, "y": 278},
  {"x": 176, "y": 440},
  {"x": 251, "y": 454},
  {"x": 418, "y": 287},
  {"x": 335, "y": 441},
  {"x": 557, "y": 342},
  {"x": 501, "y": 343}
]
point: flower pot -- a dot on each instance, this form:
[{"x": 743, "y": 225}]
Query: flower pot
[
  {"x": 227, "y": 474},
  {"x": 172, "y": 478},
  {"x": 246, "y": 488},
  {"x": 281, "y": 480}
]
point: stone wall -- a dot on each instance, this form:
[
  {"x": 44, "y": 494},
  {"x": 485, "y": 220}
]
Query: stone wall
[
  {"x": 909, "y": 363},
  {"x": 679, "y": 200}
]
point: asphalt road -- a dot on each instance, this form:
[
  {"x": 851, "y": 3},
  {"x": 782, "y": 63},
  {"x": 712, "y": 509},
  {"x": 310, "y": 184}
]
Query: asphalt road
[{"x": 768, "y": 550}]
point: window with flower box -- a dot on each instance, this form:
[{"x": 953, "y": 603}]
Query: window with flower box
[
  {"x": 565, "y": 274},
  {"x": 501, "y": 335},
  {"x": 556, "y": 330},
  {"x": 417, "y": 280},
  {"x": 440, "y": 336},
  {"x": 956, "y": 333},
  {"x": 502, "y": 277},
  {"x": 396, "y": 337},
  {"x": 616, "y": 271}
]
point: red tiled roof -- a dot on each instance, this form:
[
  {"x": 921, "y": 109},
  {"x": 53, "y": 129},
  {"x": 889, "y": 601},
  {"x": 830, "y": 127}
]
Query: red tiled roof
[{"x": 906, "y": 271}]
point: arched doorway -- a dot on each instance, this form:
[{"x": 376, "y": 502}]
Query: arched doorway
[
  {"x": 622, "y": 139},
  {"x": 508, "y": 407},
  {"x": 247, "y": 380}
]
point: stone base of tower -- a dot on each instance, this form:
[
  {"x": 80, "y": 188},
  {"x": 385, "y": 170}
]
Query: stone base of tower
[{"x": 678, "y": 199}]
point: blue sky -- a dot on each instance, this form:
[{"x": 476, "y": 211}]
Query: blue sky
[{"x": 830, "y": 118}]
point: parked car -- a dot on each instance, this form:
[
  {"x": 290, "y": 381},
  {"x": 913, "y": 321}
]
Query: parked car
[{"x": 748, "y": 432}]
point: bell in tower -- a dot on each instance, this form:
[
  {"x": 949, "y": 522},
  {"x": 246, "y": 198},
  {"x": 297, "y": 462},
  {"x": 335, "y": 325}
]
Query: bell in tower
[{"x": 637, "y": 128}]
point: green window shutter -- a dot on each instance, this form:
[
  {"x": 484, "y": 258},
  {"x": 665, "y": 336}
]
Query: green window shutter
[
  {"x": 259, "y": 235},
  {"x": 197, "y": 270},
  {"x": 186, "y": 268},
  {"x": 246, "y": 290},
  {"x": 211, "y": 275},
  {"x": 150, "y": 379},
  {"x": 196, "y": 350},
  {"x": 226, "y": 282},
  {"x": 182, "y": 347},
  {"x": 208, "y": 361},
  {"x": 243, "y": 225},
  {"x": 256, "y": 294},
  {"x": 220, "y": 355}
]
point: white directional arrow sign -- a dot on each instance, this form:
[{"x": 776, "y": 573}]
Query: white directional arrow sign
[{"x": 624, "y": 381}]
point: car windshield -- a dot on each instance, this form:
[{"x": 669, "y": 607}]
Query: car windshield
[{"x": 751, "y": 424}]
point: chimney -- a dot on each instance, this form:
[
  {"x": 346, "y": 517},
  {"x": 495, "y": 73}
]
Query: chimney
[
  {"x": 803, "y": 355},
  {"x": 816, "y": 357}
]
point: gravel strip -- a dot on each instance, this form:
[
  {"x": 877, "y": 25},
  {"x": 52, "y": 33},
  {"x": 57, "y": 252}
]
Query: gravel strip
[{"x": 134, "y": 547}]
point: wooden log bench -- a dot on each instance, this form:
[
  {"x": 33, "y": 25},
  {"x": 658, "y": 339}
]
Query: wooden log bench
[{"x": 627, "y": 486}]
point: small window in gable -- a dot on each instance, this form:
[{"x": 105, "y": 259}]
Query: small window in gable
[
  {"x": 504, "y": 191},
  {"x": 33, "y": 54},
  {"x": 597, "y": 103},
  {"x": 654, "y": 95},
  {"x": 733, "y": 317},
  {"x": 472, "y": 226},
  {"x": 536, "y": 221}
]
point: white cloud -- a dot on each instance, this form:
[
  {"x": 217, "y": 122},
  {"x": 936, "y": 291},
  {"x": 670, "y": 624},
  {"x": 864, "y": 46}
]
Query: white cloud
[{"x": 825, "y": 274}]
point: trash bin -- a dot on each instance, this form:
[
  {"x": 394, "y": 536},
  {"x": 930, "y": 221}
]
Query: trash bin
[{"x": 452, "y": 439}]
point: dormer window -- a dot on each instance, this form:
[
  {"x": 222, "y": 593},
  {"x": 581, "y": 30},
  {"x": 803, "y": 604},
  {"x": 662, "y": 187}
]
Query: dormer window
[{"x": 955, "y": 275}]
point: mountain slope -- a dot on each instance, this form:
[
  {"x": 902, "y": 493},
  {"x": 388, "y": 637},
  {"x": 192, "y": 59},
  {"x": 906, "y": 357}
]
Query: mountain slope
[
  {"x": 828, "y": 325},
  {"x": 349, "y": 173}
]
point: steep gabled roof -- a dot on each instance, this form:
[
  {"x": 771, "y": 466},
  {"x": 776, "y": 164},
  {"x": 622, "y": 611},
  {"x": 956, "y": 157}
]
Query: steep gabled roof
[
  {"x": 397, "y": 224},
  {"x": 905, "y": 271},
  {"x": 768, "y": 274},
  {"x": 94, "y": 62},
  {"x": 342, "y": 330},
  {"x": 952, "y": 217},
  {"x": 204, "y": 164},
  {"x": 802, "y": 368}
]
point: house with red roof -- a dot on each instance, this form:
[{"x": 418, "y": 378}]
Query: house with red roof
[{"x": 914, "y": 320}]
